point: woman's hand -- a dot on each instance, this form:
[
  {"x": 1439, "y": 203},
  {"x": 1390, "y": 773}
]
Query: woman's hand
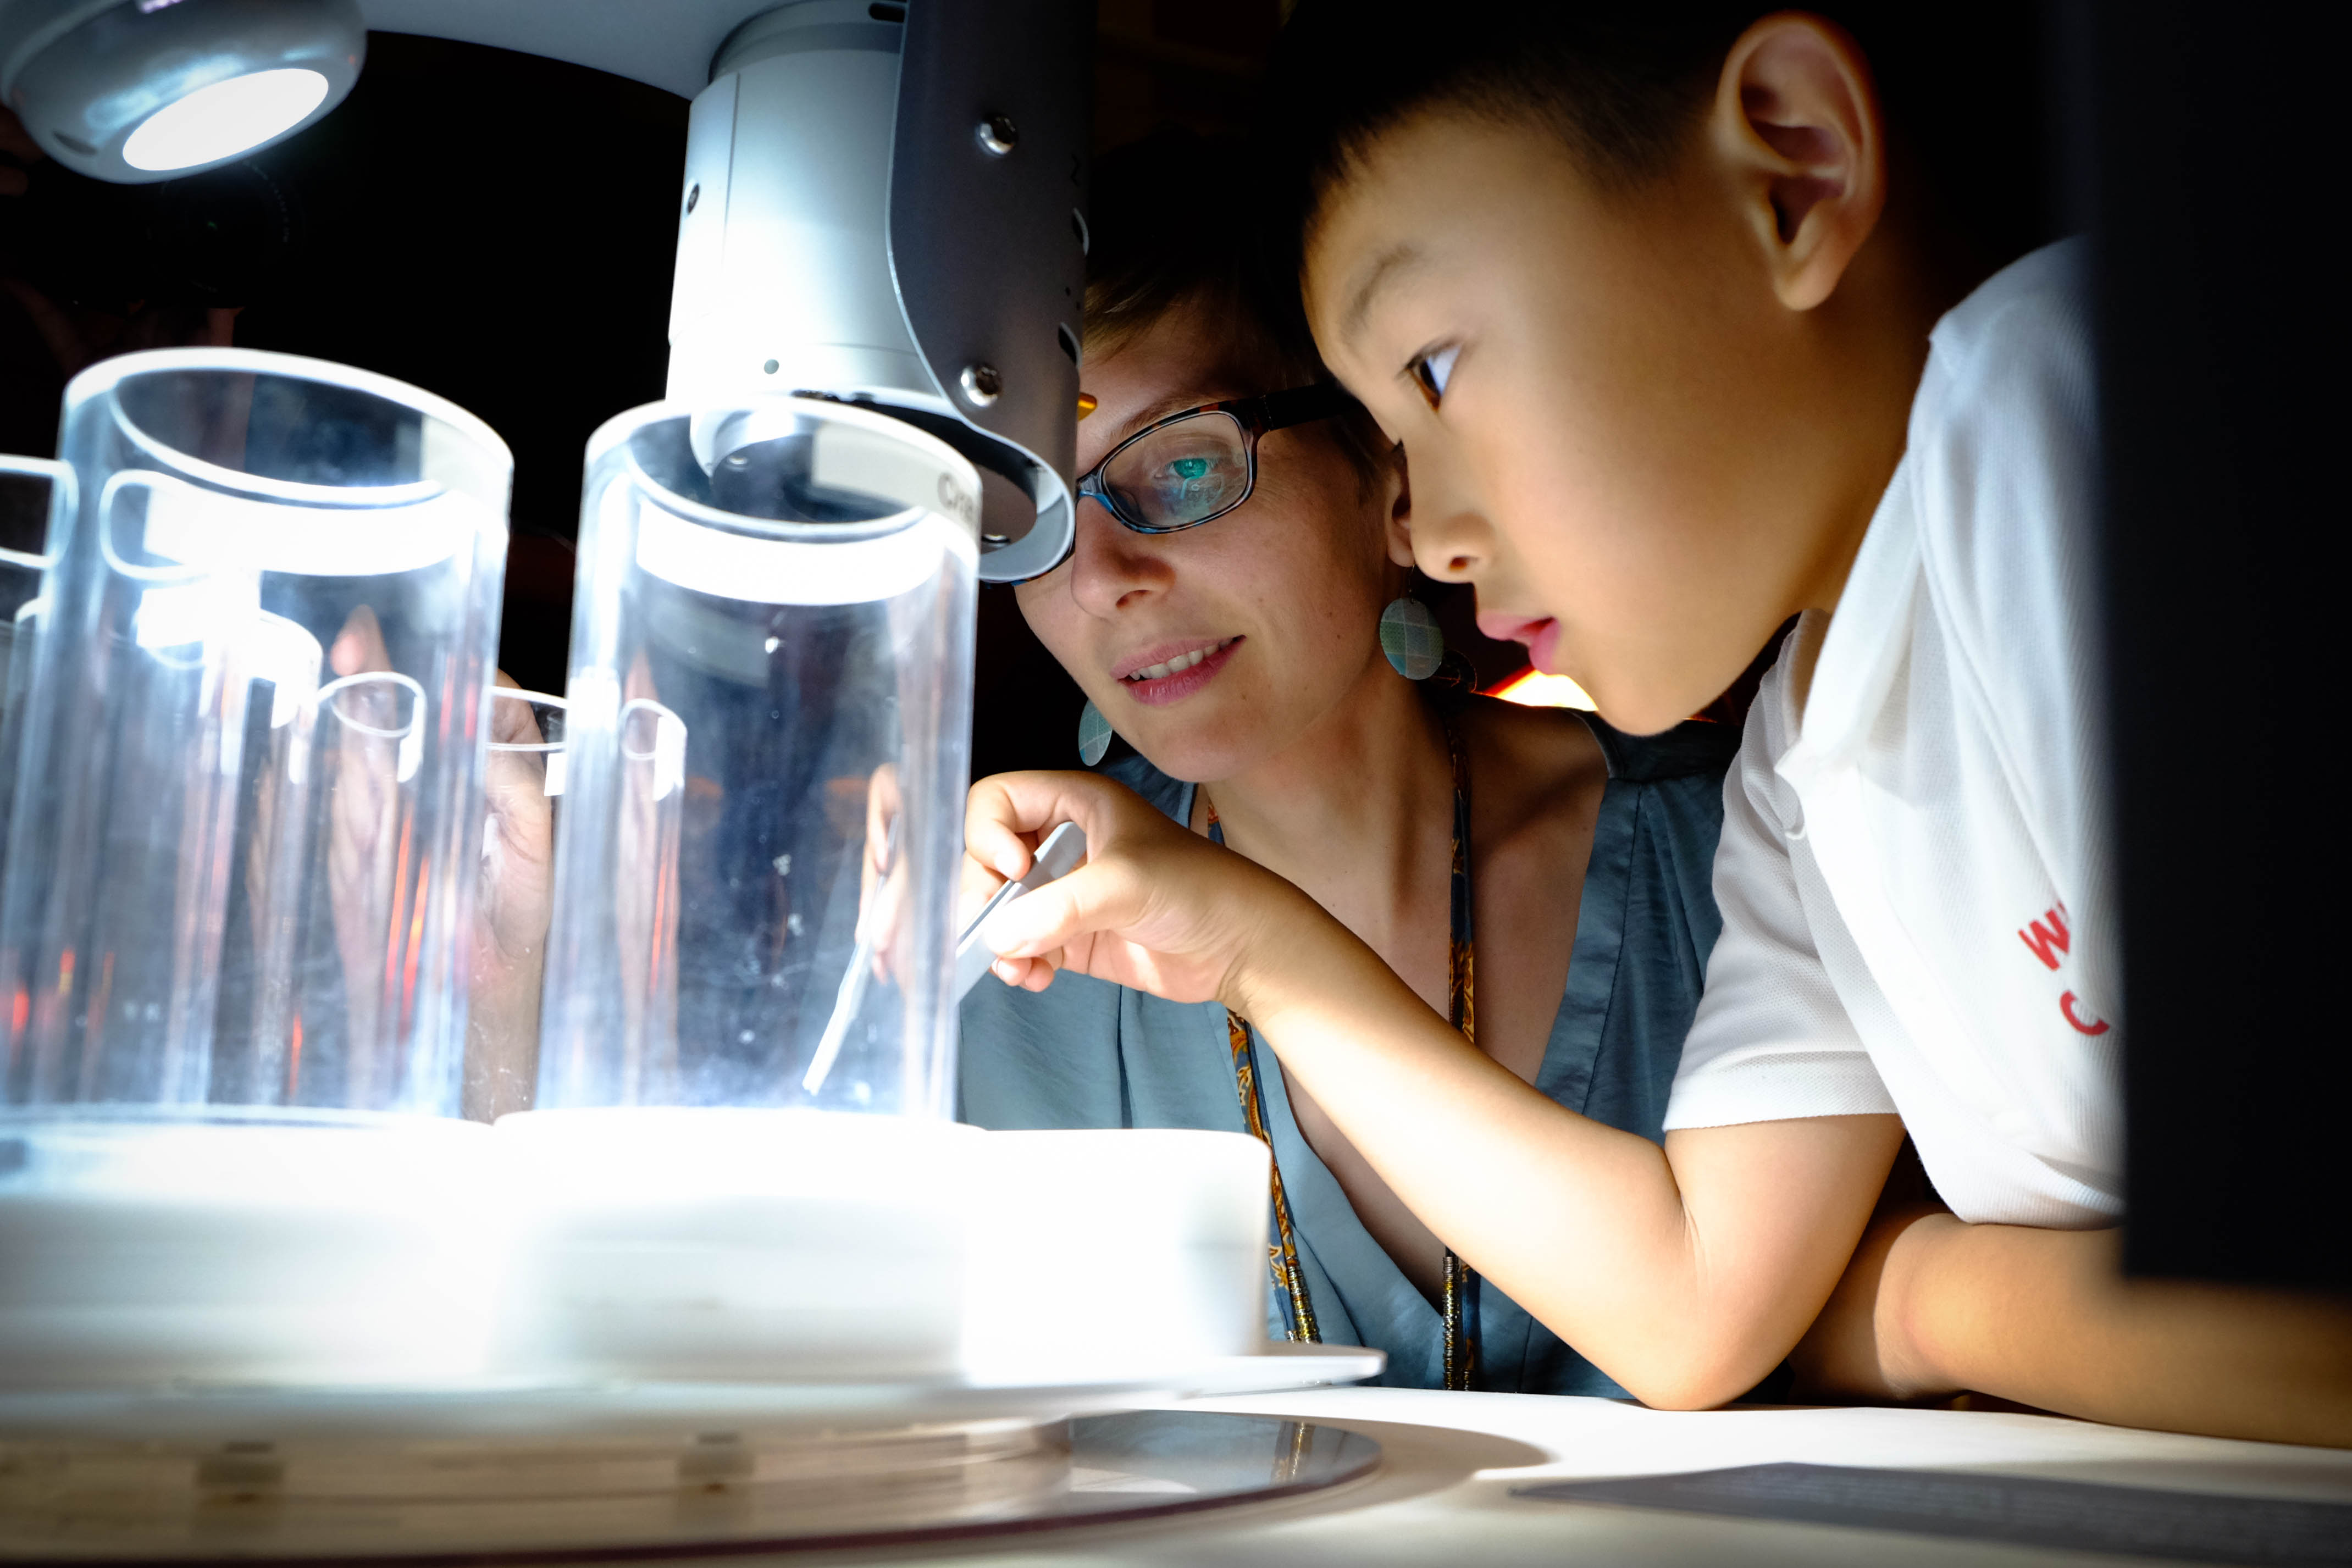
[{"x": 1154, "y": 906}]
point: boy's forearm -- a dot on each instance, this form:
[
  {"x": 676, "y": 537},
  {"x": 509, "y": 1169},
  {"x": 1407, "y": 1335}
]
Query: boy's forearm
[
  {"x": 2045, "y": 1318},
  {"x": 1593, "y": 1230}
]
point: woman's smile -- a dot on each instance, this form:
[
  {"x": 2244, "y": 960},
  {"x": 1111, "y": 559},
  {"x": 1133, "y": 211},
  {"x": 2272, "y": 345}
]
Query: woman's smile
[{"x": 1172, "y": 671}]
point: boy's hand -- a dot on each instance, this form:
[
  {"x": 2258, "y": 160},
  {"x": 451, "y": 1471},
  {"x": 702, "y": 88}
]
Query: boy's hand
[
  {"x": 1154, "y": 906},
  {"x": 1724, "y": 1243}
]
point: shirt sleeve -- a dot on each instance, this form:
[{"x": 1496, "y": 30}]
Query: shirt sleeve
[
  {"x": 2006, "y": 432},
  {"x": 1772, "y": 1041}
]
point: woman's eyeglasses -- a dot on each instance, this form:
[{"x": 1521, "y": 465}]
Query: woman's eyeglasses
[{"x": 1195, "y": 467}]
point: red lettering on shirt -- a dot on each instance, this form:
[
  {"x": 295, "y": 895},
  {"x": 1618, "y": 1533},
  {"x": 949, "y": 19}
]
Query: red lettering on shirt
[
  {"x": 2046, "y": 942},
  {"x": 2092, "y": 1026}
]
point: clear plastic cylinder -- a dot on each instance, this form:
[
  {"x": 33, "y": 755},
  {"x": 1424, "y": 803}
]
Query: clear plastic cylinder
[
  {"x": 740, "y": 1164},
  {"x": 766, "y": 746},
  {"x": 244, "y": 848},
  {"x": 38, "y": 509},
  {"x": 251, "y": 750}
]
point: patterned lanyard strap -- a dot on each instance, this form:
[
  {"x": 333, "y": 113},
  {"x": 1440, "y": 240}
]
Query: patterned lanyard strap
[{"x": 1459, "y": 1297}]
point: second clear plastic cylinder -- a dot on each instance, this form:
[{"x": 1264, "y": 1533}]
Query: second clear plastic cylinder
[{"x": 768, "y": 708}]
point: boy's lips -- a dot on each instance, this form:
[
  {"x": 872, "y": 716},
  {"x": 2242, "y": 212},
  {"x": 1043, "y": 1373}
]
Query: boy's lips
[
  {"x": 1170, "y": 671},
  {"x": 1540, "y": 632}
]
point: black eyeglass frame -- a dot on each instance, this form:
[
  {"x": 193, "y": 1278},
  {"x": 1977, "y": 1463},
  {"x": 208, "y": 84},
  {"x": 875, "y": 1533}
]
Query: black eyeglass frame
[{"x": 1255, "y": 415}]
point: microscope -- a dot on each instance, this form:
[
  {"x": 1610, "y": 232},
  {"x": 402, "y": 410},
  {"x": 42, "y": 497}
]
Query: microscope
[{"x": 883, "y": 204}]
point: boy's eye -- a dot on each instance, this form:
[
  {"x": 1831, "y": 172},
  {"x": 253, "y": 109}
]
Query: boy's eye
[{"x": 1432, "y": 370}]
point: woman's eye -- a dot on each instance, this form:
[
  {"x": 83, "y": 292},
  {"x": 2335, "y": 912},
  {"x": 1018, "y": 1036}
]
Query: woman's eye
[
  {"x": 1432, "y": 370},
  {"x": 1187, "y": 476}
]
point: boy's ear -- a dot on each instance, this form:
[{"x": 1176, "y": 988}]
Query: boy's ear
[
  {"x": 1796, "y": 119},
  {"x": 1399, "y": 484}
]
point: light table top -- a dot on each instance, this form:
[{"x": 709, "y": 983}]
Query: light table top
[{"x": 1450, "y": 1462}]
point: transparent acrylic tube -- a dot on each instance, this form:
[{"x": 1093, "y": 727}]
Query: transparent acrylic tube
[
  {"x": 245, "y": 760},
  {"x": 39, "y": 531},
  {"x": 746, "y": 1052},
  {"x": 770, "y": 699},
  {"x": 251, "y": 746}
]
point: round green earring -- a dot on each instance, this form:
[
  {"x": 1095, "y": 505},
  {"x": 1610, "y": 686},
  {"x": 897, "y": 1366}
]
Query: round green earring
[
  {"x": 1094, "y": 734},
  {"x": 1411, "y": 638}
]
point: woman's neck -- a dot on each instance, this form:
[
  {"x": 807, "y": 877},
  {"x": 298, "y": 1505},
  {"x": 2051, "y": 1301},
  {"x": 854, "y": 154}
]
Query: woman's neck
[{"x": 1357, "y": 813}]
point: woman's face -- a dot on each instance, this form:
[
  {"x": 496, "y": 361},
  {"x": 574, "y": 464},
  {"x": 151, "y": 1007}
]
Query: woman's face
[{"x": 1279, "y": 598}]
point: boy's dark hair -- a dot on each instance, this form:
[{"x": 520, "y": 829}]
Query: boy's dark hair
[
  {"x": 1178, "y": 220},
  {"x": 1624, "y": 83}
]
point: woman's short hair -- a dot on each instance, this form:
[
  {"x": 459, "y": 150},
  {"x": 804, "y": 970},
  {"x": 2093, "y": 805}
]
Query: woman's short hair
[{"x": 1178, "y": 221}]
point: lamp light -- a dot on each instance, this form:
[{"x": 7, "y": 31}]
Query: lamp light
[
  {"x": 1533, "y": 688},
  {"x": 139, "y": 91}
]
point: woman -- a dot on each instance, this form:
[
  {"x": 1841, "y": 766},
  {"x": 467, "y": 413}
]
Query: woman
[{"x": 1225, "y": 609}]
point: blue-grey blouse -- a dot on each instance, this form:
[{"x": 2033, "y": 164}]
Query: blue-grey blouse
[{"x": 1084, "y": 1054}]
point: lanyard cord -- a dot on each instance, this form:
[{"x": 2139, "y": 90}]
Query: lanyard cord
[
  {"x": 1282, "y": 1253},
  {"x": 1459, "y": 1301}
]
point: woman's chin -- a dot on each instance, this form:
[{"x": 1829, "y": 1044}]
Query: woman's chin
[{"x": 1199, "y": 751}]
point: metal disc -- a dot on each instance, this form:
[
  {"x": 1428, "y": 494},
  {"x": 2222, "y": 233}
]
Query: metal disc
[{"x": 480, "y": 1500}]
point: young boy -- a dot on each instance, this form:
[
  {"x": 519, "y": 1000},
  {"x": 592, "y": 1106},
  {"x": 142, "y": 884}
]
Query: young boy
[{"x": 1663, "y": 314}]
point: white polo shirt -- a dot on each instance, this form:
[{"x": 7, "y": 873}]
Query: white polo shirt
[{"x": 1913, "y": 872}]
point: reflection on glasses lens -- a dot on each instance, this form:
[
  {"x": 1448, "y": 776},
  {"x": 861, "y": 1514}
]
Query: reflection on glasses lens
[{"x": 1183, "y": 473}]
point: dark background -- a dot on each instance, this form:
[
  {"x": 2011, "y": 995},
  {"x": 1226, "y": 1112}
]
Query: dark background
[
  {"x": 500, "y": 228},
  {"x": 2201, "y": 155}
]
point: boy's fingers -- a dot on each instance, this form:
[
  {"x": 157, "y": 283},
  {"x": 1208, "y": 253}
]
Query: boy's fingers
[
  {"x": 359, "y": 647},
  {"x": 1036, "y": 974},
  {"x": 883, "y": 803},
  {"x": 1025, "y": 973},
  {"x": 993, "y": 827},
  {"x": 1007, "y": 813},
  {"x": 992, "y": 845},
  {"x": 980, "y": 882},
  {"x": 516, "y": 782},
  {"x": 512, "y": 722},
  {"x": 1101, "y": 895}
]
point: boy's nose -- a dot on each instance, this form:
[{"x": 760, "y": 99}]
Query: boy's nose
[
  {"x": 1450, "y": 566},
  {"x": 1450, "y": 545},
  {"x": 1451, "y": 539}
]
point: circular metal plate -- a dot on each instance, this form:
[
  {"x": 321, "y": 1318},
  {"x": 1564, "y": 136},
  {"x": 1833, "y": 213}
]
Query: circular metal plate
[
  {"x": 196, "y": 1418},
  {"x": 621, "y": 1498}
]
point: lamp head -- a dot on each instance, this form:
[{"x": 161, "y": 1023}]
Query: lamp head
[{"x": 139, "y": 90}]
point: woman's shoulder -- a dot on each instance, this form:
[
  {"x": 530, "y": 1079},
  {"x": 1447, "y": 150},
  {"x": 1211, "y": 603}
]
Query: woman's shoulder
[
  {"x": 1552, "y": 748},
  {"x": 1538, "y": 766},
  {"x": 1535, "y": 774}
]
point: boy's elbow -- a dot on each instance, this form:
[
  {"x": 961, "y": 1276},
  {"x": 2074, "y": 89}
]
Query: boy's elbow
[
  {"x": 1690, "y": 1383},
  {"x": 1685, "y": 1354}
]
